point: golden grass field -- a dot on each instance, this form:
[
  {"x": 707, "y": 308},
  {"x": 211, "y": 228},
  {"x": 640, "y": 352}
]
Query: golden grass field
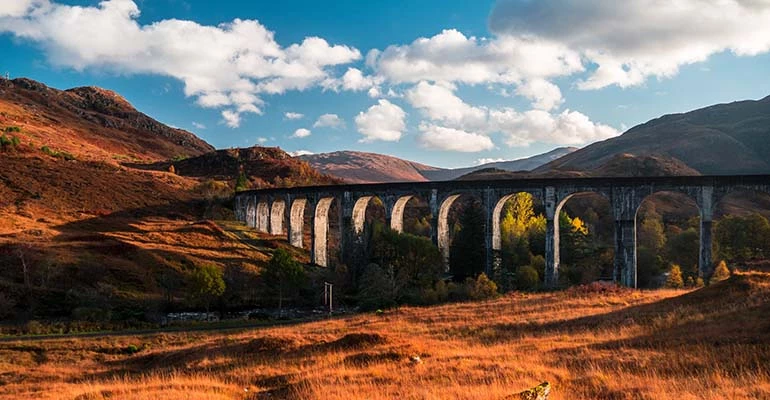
[{"x": 590, "y": 343}]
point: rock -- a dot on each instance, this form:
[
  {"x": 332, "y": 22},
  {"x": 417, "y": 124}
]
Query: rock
[
  {"x": 539, "y": 392},
  {"x": 415, "y": 359}
]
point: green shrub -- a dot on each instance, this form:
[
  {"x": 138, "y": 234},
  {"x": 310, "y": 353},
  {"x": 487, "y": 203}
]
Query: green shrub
[
  {"x": 527, "y": 278},
  {"x": 675, "y": 280},
  {"x": 483, "y": 288},
  {"x": 131, "y": 349},
  {"x": 721, "y": 272},
  {"x": 10, "y": 129}
]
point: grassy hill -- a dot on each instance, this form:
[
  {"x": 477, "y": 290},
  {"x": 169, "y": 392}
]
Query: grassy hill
[
  {"x": 729, "y": 138},
  {"x": 589, "y": 342}
]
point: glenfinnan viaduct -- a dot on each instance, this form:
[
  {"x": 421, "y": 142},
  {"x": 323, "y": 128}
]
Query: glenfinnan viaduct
[{"x": 269, "y": 210}]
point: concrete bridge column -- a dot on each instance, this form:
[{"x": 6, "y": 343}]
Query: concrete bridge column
[
  {"x": 251, "y": 211},
  {"x": 277, "y": 216},
  {"x": 551, "y": 238},
  {"x": 434, "y": 217},
  {"x": 350, "y": 232},
  {"x": 296, "y": 221},
  {"x": 625, "y": 252},
  {"x": 489, "y": 204},
  {"x": 396, "y": 216},
  {"x": 706, "y": 205}
]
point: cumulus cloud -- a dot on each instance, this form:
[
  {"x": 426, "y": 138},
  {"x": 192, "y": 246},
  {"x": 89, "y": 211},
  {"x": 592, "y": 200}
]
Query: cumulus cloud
[
  {"x": 293, "y": 115},
  {"x": 450, "y": 56},
  {"x": 383, "y": 121},
  {"x": 457, "y": 126},
  {"x": 301, "y": 133},
  {"x": 225, "y": 66},
  {"x": 261, "y": 140},
  {"x": 439, "y": 103},
  {"x": 300, "y": 153},
  {"x": 632, "y": 40},
  {"x": 198, "y": 125},
  {"x": 544, "y": 95},
  {"x": 441, "y": 138},
  {"x": 566, "y": 128},
  {"x": 482, "y": 161},
  {"x": 329, "y": 121}
]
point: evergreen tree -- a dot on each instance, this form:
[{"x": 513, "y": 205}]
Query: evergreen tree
[
  {"x": 467, "y": 253},
  {"x": 721, "y": 272},
  {"x": 283, "y": 275},
  {"x": 675, "y": 280}
]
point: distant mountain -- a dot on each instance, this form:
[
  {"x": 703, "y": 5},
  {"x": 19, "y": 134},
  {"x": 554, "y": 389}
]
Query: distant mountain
[
  {"x": 524, "y": 164},
  {"x": 91, "y": 123},
  {"x": 361, "y": 167},
  {"x": 729, "y": 138}
]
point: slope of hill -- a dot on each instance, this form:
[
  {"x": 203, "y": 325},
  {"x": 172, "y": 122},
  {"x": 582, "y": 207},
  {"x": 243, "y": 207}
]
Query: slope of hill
[
  {"x": 729, "y": 138},
  {"x": 593, "y": 342},
  {"x": 263, "y": 166},
  {"x": 360, "y": 167},
  {"x": 90, "y": 123},
  {"x": 523, "y": 164}
]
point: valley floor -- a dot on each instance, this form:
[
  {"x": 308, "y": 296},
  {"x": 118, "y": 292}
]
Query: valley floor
[{"x": 588, "y": 342}]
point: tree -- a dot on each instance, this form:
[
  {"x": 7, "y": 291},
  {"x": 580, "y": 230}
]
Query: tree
[
  {"x": 206, "y": 284},
  {"x": 743, "y": 238},
  {"x": 684, "y": 249},
  {"x": 284, "y": 275},
  {"x": 467, "y": 254},
  {"x": 675, "y": 280},
  {"x": 721, "y": 273},
  {"x": 242, "y": 183}
]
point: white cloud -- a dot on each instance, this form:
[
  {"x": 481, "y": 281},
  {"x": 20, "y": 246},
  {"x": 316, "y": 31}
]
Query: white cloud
[
  {"x": 457, "y": 126},
  {"x": 566, "y": 128},
  {"x": 231, "y": 118},
  {"x": 632, "y": 40},
  {"x": 227, "y": 65},
  {"x": 482, "y": 161},
  {"x": 450, "y": 56},
  {"x": 301, "y": 133},
  {"x": 439, "y": 103},
  {"x": 544, "y": 95},
  {"x": 261, "y": 140},
  {"x": 355, "y": 80},
  {"x": 198, "y": 125},
  {"x": 293, "y": 115},
  {"x": 442, "y": 138},
  {"x": 383, "y": 121},
  {"x": 329, "y": 121},
  {"x": 300, "y": 153}
]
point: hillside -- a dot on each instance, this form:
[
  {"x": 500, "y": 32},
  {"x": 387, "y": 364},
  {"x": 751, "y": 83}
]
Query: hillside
[
  {"x": 729, "y": 138},
  {"x": 262, "y": 166},
  {"x": 361, "y": 167},
  {"x": 90, "y": 123},
  {"x": 524, "y": 164},
  {"x": 589, "y": 342}
]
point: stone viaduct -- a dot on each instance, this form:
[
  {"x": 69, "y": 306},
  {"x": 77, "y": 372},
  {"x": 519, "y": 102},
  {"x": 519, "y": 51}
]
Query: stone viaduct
[{"x": 282, "y": 210}]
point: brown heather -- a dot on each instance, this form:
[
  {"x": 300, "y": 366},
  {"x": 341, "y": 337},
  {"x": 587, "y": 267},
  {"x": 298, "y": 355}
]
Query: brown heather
[{"x": 589, "y": 342}]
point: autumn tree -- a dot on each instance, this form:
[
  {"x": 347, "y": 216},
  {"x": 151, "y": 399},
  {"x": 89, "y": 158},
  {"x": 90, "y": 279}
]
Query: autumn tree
[
  {"x": 283, "y": 276},
  {"x": 206, "y": 284},
  {"x": 721, "y": 273},
  {"x": 675, "y": 280}
]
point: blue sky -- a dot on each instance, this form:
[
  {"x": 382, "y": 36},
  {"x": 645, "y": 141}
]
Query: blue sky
[{"x": 446, "y": 83}]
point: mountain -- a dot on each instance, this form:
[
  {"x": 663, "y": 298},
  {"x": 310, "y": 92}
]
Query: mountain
[
  {"x": 90, "y": 123},
  {"x": 262, "y": 166},
  {"x": 729, "y": 138},
  {"x": 524, "y": 164},
  {"x": 361, "y": 167}
]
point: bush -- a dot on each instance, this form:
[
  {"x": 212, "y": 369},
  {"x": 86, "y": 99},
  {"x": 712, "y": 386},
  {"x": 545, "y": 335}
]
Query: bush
[
  {"x": 675, "y": 280},
  {"x": 482, "y": 288},
  {"x": 527, "y": 278},
  {"x": 91, "y": 314},
  {"x": 721, "y": 272},
  {"x": 12, "y": 129}
]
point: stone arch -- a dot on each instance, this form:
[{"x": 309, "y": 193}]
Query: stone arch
[
  {"x": 685, "y": 206},
  {"x": 359, "y": 214},
  {"x": 251, "y": 212},
  {"x": 612, "y": 239},
  {"x": 497, "y": 215},
  {"x": 263, "y": 216},
  {"x": 277, "y": 215},
  {"x": 397, "y": 216},
  {"x": 443, "y": 226},
  {"x": 321, "y": 230},
  {"x": 296, "y": 221}
]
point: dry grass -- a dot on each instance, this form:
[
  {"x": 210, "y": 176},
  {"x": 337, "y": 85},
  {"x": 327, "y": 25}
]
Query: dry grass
[{"x": 590, "y": 344}]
